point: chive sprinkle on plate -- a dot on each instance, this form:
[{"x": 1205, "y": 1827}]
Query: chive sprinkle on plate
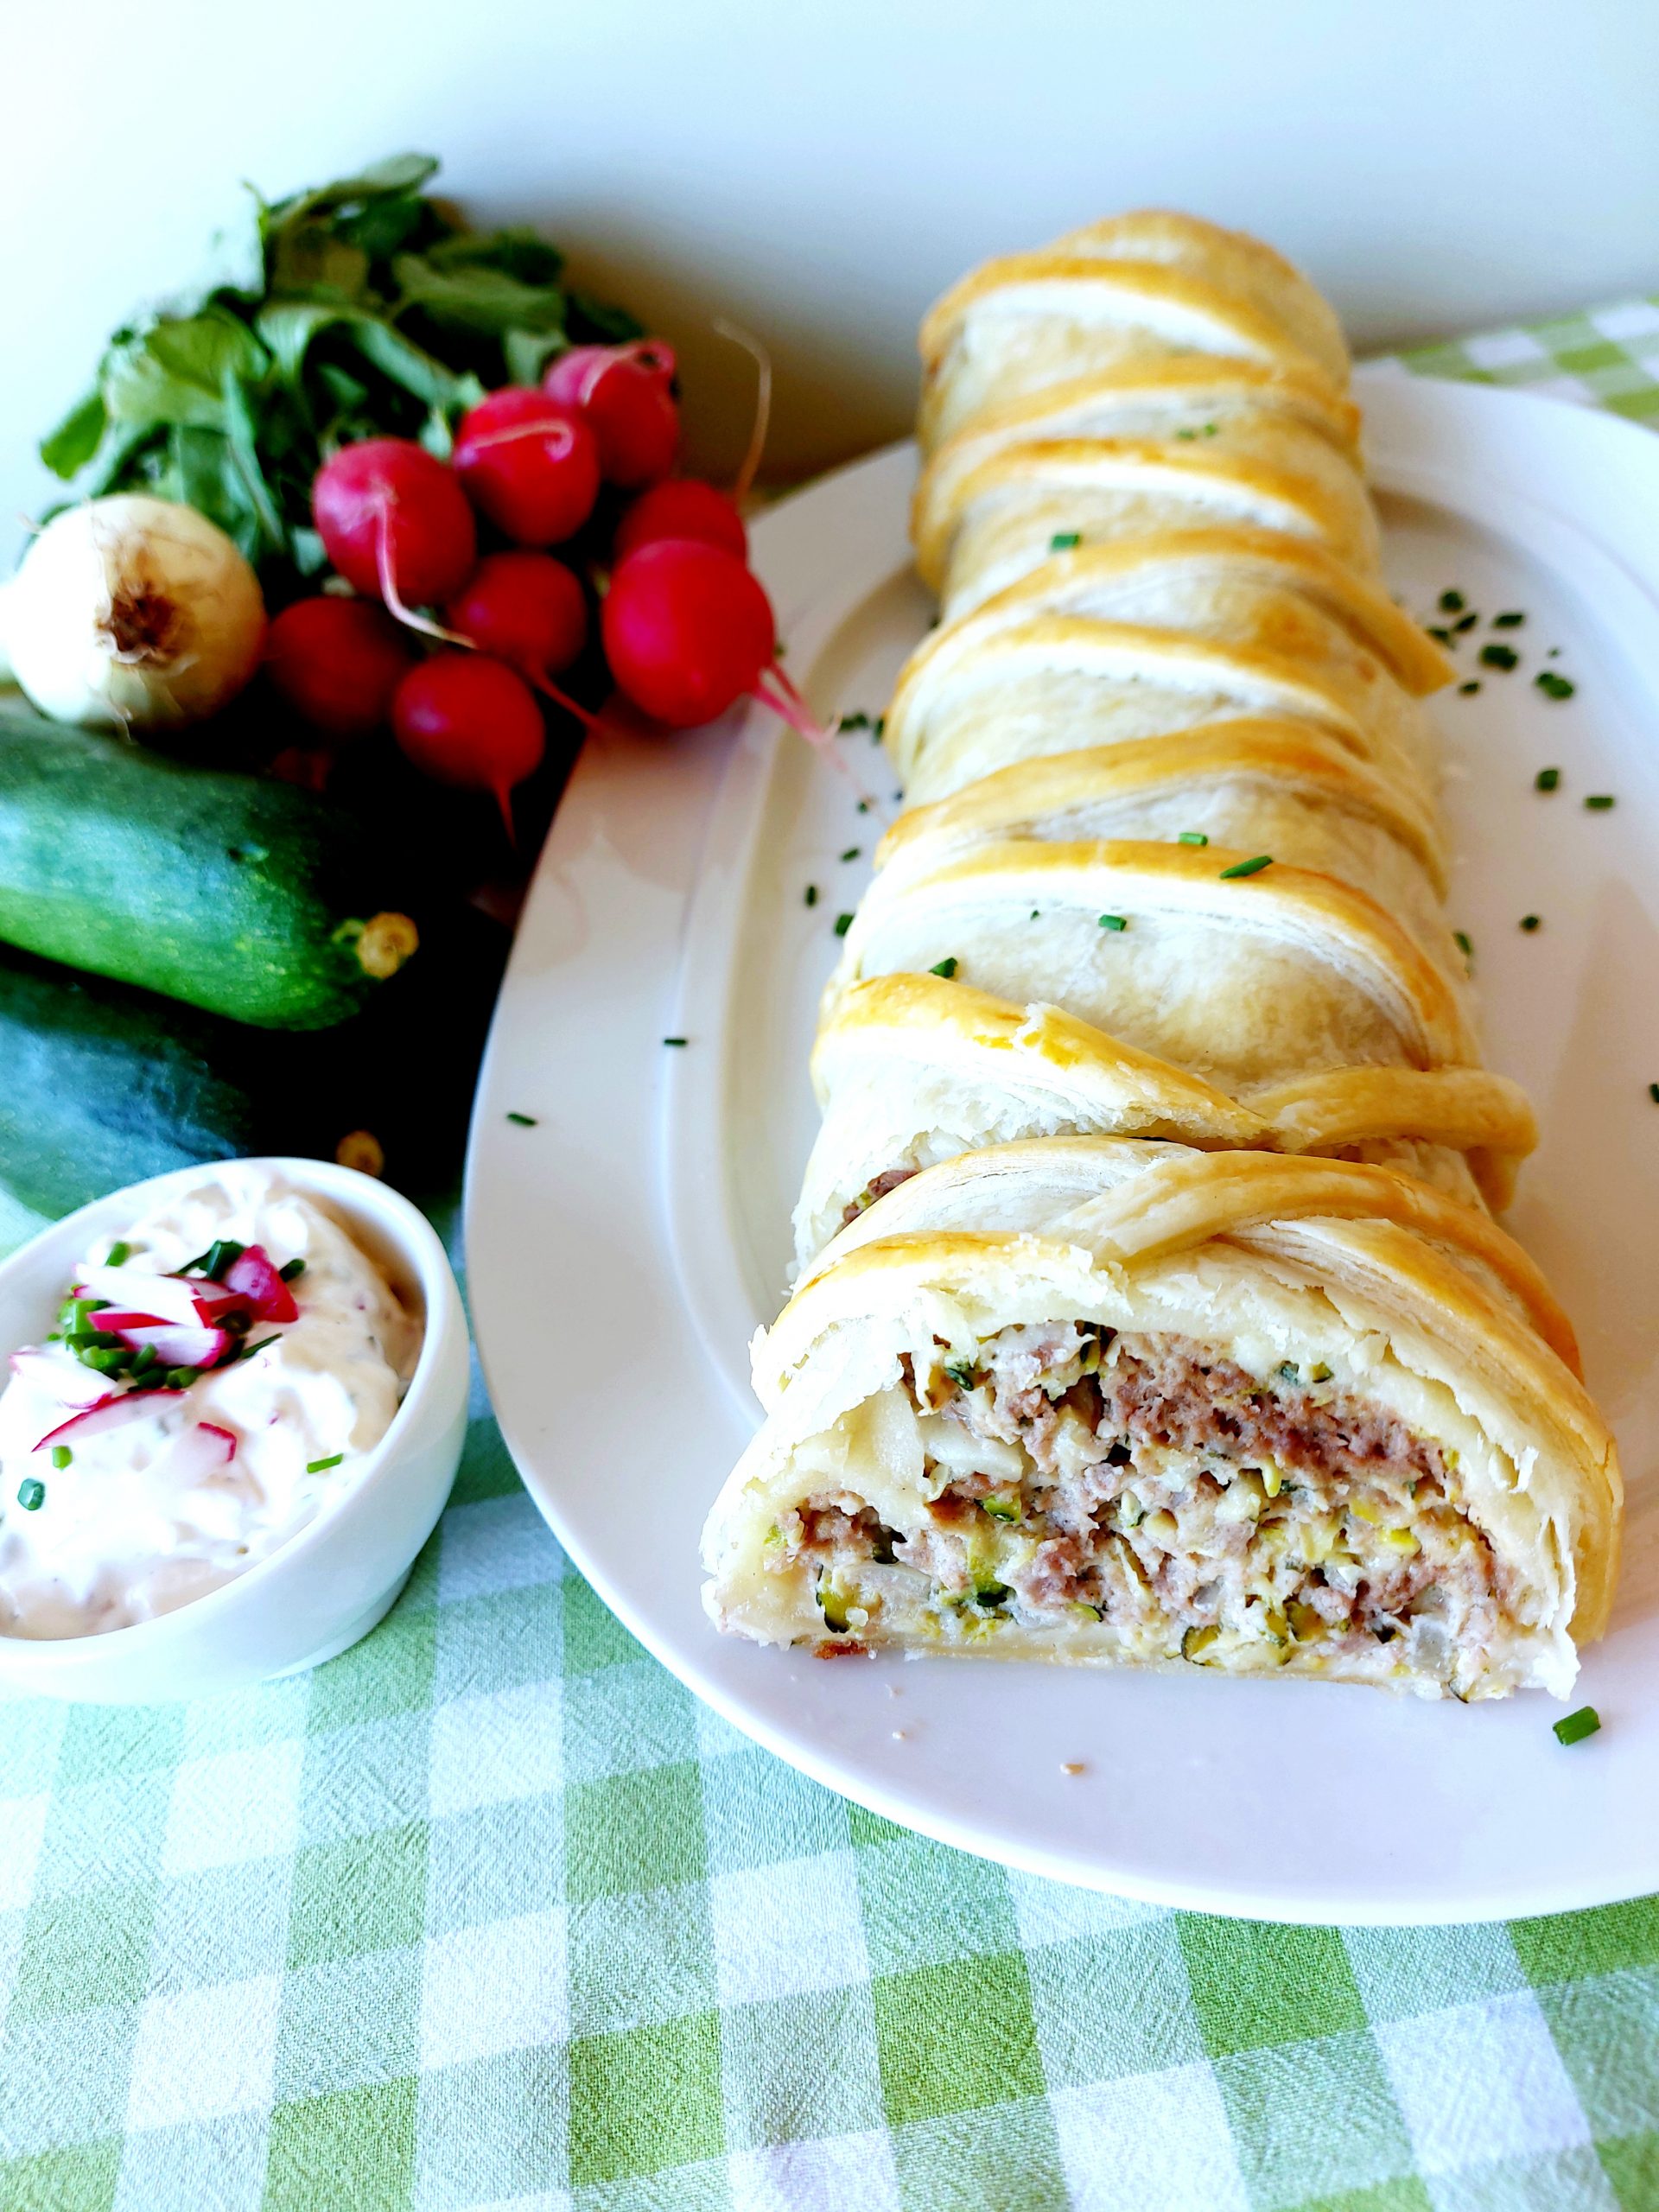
[
  {"x": 523, "y": 1121},
  {"x": 1511, "y": 620},
  {"x": 1529, "y": 922},
  {"x": 1554, "y": 686},
  {"x": 1575, "y": 1726},
  {"x": 1653, "y": 1092},
  {"x": 1453, "y": 602},
  {"x": 1114, "y": 921},
  {"x": 852, "y": 852},
  {"x": 811, "y": 894},
  {"x": 1193, "y": 838},
  {"x": 1464, "y": 946},
  {"x": 31, "y": 1495},
  {"x": 946, "y": 968},
  {"x": 321, "y": 1466},
  {"x": 1598, "y": 801},
  {"x": 1248, "y": 867},
  {"x": 1546, "y": 779},
  {"x": 1064, "y": 540},
  {"x": 1468, "y": 690},
  {"x": 843, "y": 923},
  {"x": 1499, "y": 657}
]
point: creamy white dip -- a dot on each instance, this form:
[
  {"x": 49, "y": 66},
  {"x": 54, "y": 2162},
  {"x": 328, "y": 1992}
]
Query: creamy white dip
[{"x": 134, "y": 1526}]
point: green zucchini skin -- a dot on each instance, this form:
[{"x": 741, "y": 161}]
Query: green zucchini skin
[
  {"x": 102, "y": 1085},
  {"x": 229, "y": 892}
]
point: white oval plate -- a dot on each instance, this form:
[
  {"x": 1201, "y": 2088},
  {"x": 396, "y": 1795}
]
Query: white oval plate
[{"x": 623, "y": 1249}]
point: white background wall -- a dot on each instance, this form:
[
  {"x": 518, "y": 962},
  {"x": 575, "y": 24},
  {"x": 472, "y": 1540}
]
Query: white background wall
[{"x": 820, "y": 171}]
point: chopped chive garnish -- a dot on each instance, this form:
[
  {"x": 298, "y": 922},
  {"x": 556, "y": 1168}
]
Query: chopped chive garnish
[
  {"x": 1546, "y": 779},
  {"x": 118, "y": 1255},
  {"x": 523, "y": 1121},
  {"x": 31, "y": 1495},
  {"x": 1577, "y": 1726},
  {"x": 292, "y": 1270},
  {"x": 1113, "y": 921},
  {"x": 1465, "y": 688},
  {"x": 1499, "y": 657},
  {"x": 1064, "y": 540},
  {"x": 1440, "y": 634},
  {"x": 1248, "y": 867},
  {"x": 1598, "y": 801},
  {"x": 854, "y": 722},
  {"x": 62, "y": 1457},
  {"x": 1554, "y": 686},
  {"x": 852, "y": 852},
  {"x": 673, "y": 1041},
  {"x": 223, "y": 1253},
  {"x": 843, "y": 923},
  {"x": 1034, "y": 912},
  {"x": 143, "y": 1360},
  {"x": 878, "y": 727},
  {"x": 1512, "y": 620},
  {"x": 1529, "y": 922},
  {"x": 181, "y": 1378},
  {"x": 946, "y": 968},
  {"x": 811, "y": 894},
  {"x": 321, "y": 1466},
  {"x": 1453, "y": 602},
  {"x": 1653, "y": 1092},
  {"x": 863, "y": 806},
  {"x": 248, "y": 1352},
  {"x": 1192, "y": 837},
  {"x": 1468, "y": 622},
  {"x": 1463, "y": 944}
]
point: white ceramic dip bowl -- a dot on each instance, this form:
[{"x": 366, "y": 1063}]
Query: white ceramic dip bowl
[{"x": 330, "y": 1582}]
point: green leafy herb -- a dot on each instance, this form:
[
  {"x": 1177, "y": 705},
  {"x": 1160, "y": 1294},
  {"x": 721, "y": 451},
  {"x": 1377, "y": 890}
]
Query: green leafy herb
[
  {"x": 1512, "y": 620},
  {"x": 1453, "y": 602},
  {"x": 674, "y": 1040},
  {"x": 1192, "y": 837},
  {"x": 1599, "y": 802},
  {"x": 1573, "y": 1727},
  {"x": 1064, "y": 540},
  {"x": 852, "y": 852},
  {"x": 1546, "y": 779},
  {"x": 1466, "y": 689},
  {"x": 181, "y": 1378},
  {"x": 1115, "y": 922},
  {"x": 1554, "y": 686},
  {"x": 523, "y": 1121},
  {"x": 1248, "y": 867},
  {"x": 62, "y": 1457},
  {"x": 321, "y": 1466},
  {"x": 1529, "y": 922},
  {"x": 843, "y": 923},
  {"x": 1468, "y": 622},
  {"x": 1463, "y": 944},
  {"x": 249, "y": 1351},
  {"x": 143, "y": 1359},
  {"x": 811, "y": 894},
  {"x": 362, "y": 308},
  {"x": 946, "y": 968},
  {"x": 31, "y": 1494},
  {"x": 1440, "y": 634},
  {"x": 292, "y": 1270},
  {"x": 1499, "y": 657}
]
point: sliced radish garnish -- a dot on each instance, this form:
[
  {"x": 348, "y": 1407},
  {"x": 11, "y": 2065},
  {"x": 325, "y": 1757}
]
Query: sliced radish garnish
[
  {"x": 108, "y": 1412},
  {"x": 256, "y": 1276},
  {"x": 56, "y": 1375},
  {"x": 177, "y": 1344},
  {"x": 197, "y": 1452},
  {"x": 189, "y": 1300}
]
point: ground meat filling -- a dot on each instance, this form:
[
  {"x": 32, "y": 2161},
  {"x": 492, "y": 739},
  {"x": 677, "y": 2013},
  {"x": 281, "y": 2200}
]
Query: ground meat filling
[
  {"x": 877, "y": 1188},
  {"x": 1061, "y": 1469}
]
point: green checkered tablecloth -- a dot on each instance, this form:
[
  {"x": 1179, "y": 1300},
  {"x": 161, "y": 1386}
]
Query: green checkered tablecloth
[{"x": 490, "y": 1912}]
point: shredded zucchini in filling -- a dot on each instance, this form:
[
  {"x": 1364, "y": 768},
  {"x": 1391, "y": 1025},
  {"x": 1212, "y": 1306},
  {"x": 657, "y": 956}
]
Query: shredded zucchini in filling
[{"x": 1148, "y": 1483}]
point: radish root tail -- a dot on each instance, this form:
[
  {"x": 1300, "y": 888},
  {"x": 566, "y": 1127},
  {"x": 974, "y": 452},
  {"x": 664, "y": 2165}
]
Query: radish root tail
[{"x": 757, "y": 446}]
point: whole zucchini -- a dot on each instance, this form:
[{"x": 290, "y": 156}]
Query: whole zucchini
[
  {"x": 101, "y": 1086},
  {"x": 233, "y": 892}
]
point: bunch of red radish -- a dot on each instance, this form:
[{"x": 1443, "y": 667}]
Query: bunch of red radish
[{"x": 685, "y": 627}]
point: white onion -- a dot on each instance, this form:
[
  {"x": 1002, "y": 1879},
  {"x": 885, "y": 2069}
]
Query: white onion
[{"x": 134, "y": 613}]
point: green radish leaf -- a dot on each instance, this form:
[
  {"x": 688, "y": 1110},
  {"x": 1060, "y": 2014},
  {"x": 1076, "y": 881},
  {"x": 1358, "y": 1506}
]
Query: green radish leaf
[
  {"x": 67, "y": 449},
  {"x": 527, "y": 352},
  {"x": 477, "y": 297},
  {"x": 175, "y": 372}
]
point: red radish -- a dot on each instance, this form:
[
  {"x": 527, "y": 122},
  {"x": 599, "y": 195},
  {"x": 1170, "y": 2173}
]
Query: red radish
[
  {"x": 688, "y": 629},
  {"x": 198, "y": 1452},
  {"x": 526, "y": 608},
  {"x": 395, "y": 522},
  {"x": 114, "y": 1407},
  {"x": 337, "y": 662},
  {"x": 253, "y": 1275},
  {"x": 530, "y": 464},
  {"x": 190, "y": 1300},
  {"x": 471, "y": 720},
  {"x": 58, "y": 1374},
  {"x": 682, "y": 506},
  {"x": 226, "y": 1439},
  {"x": 175, "y": 1345},
  {"x": 624, "y": 394}
]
